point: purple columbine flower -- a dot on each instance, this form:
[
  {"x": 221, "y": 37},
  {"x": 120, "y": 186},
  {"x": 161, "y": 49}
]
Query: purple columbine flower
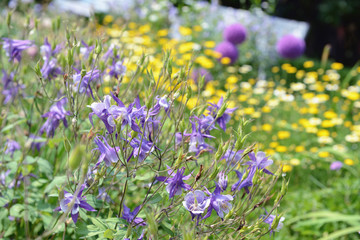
[
  {"x": 225, "y": 118},
  {"x": 196, "y": 203},
  {"x": 233, "y": 157},
  {"x": 223, "y": 181},
  {"x": 117, "y": 69},
  {"x": 244, "y": 183},
  {"x": 86, "y": 49},
  {"x": 80, "y": 202},
  {"x": 270, "y": 219},
  {"x": 290, "y": 46},
  {"x": 108, "y": 153},
  {"x": 103, "y": 195},
  {"x": 197, "y": 139},
  {"x": 235, "y": 33},
  {"x": 36, "y": 142},
  {"x": 56, "y": 114},
  {"x": 336, "y": 165},
  {"x": 11, "y": 88},
  {"x": 129, "y": 216},
  {"x": 11, "y": 146},
  {"x": 259, "y": 161},
  {"x": 13, "y": 48},
  {"x": 20, "y": 179},
  {"x": 175, "y": 182},
  {"x": 3, "y": 176},
  {"x": 142, "y": 147},
  {"x": 207, "y": 123},
  {"x": 82, "y": 84},
  {"x": 220, "y": 203},
  {"x": 229, "y": 50},
  {"x": 49, "y": 70}
]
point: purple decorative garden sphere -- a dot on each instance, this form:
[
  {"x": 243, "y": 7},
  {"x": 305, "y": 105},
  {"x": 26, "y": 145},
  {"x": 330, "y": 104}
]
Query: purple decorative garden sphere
[
  {"x": 290, "y": 46},
  {"x": 235, "y": 33},
  {"x": 227, "y": 49}
]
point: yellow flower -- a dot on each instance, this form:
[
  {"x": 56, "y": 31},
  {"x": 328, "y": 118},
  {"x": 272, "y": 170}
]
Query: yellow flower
[
  {"x": 204, "y": 62},
  {"x": 283, "y": 134},
  {"x": 163, "y": 32},
  {"x": 253, "y": 128},
  {"x": 242, "y": 98},
  {"x": 185, "y": 31},
  {"x": 273, "y": 144},
  {"x": 330, "y": 114},
  {"x": 299, "y": 149},
  {"x": 209, "y": 44},
  {"x": 197, "y": 28},
  {"x": 353, "y": 96},
  {"x": 300, "y": 74},
  {"x": 192, "y": 103},
  {"x": 232, "y": 79},
  {"x": 225, "y": 60},
  {"x": 308, "y": 64},
  {"x": 145, "y": 28},
  {"x": 287, "y": 168},
  {"x": 323, "y": 133},
  {"x": 107, "y": 90},
  {"x": 327, "y": 124},
  {"x": 108, "y": 19},
  {"x": 249, "y": 110},
  {"x": 275, "y": 69},
  {"x": 281, "y": 149},
  {"x": 269, "y": 151},
  {"x": 266, "y": 127},
  {"x": 313, "y": 149},
  {"x": 266, "y": 109},
  {"x": 337, "y": 66},
  {"x": 295, "y": 162},
  {"x": 349, "y": 162}
]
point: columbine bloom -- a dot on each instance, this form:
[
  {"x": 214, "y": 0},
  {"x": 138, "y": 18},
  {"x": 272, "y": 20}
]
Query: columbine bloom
[
  {"x": 108, "y": 153},
  {"x": 259, "y": 161},
  {"x": 86, "y": 49},
  {"x": 11, "y": 146},
  {"x": 13, "y": 48},
  {"x": 82, "y": 84},
  {"x": 270, "y": 219},
  {"x": 197, "y": 139},
  {"x": 49, "y": 70},
  {"x": 196, "y": 203},
  {"x": 244, "y": 183},
  {"x": 223, "y": 181},
  {"x": 36, "y": 142},
  {"x": 11, "y": 88},
  {"x": 175, "y": 183},
  {"x": 56, "y": 114},
  {"x": 233, "y": 157},
  {"x": 80, "y": 202},
  {"x": 129, "y": 216},
  {"x": 142, "y": 147},
  {"x": 336, "y": 165},
  {"x": 225, "y": 118},
  {"x": 220, "y": 203},
  {"x": 103, "y": 195},
  {"x": 202, "y": 73},
  {"x": 117, "y": 69}
]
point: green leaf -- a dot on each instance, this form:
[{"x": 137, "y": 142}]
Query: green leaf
[
  {"x": 155, "y": 198},
  {"x": 166, "y": 229},
  {"x": 8, "y": 127},
  {"x": 44, "y": 166},
  {"x": 100, "y": 224},
  {"x": 342, "y": 232},
  {"x": 17, "y": 210},
  {"x": 109, "y": 233},
  {"x": 57, "y": 182}
]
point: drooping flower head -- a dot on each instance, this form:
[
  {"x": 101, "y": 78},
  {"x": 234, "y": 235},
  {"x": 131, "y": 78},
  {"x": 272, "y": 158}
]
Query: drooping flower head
[
  {"x": 220, "y": 203},
  {"x": 196, "y": 203},
  {"x": 223, "y": 181},
  {"x": 227, "y": 50},
  {"x": 130, "y": 216},
  {"x": 11, "y": 146},
  {"x": 244, "y": 183},
  {"x": 235, "y": 33},
  {"x": 270, "y": 219},
  {"x": 142, "y": 147},
  {"x": 175, "y": 183},
  {"x": 80, "y": 202},
  {"x": 85, "y": 50},
  {"x": 13, "y": 48},
  {"x": 290, "y": 46},
  {"x": 11, "y": 88},
  {"x": 36, "y": 142},
  {"x": 82, "y": 84},
  {"x": 233, "y": 157},
  {"x": 50, "y": 69},
  {"x": 197, "y": 138},
  {"x": 108, "y": 153},
  {"x": 225, "y": 118},
  {"x": 56, "y": 114},
  {"x": 117, "y": 69},
  {"x": 259, "y": 161}
]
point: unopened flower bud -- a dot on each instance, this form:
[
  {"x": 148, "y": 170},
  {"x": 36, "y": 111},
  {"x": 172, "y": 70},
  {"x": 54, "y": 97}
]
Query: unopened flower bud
[{"x": 76, "y": 156}]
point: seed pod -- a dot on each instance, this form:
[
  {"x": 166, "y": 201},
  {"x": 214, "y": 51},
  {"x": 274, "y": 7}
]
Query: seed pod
[{"x": 76, "y": 156}]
